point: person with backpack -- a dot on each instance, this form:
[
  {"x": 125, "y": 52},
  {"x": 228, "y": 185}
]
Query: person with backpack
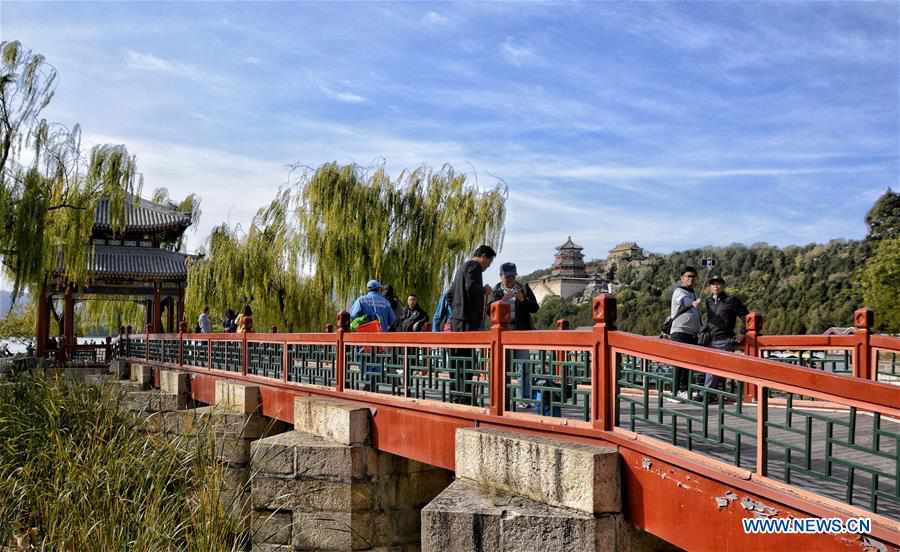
[
  {"x": 373, "y": 306},
  {"x": 722, "y": 312},
  {"x": 442, "y": 314},
  {"x": 685, "y": 324},
  {"x": 467, "y": 292}
]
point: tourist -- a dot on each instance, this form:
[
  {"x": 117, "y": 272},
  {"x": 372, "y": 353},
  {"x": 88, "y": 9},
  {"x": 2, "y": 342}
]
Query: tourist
[
  {"x": 229, "y": 323},
  {"x": 391, "y": 297},
  {"x": 412, "y": 317},
  {"x": 203, "y": 321},
  {"x": 722, "y": 312},
  {"x": 442, "y": 314},
  {"x": 467, "y": 292},
  {"x": 519, "y": 297},
  {"x": 685, "y": 314},
  {"x": 373, "y": 306},
  {"x": 522, "y": 304},
  {"x": 245, "y": 320}
]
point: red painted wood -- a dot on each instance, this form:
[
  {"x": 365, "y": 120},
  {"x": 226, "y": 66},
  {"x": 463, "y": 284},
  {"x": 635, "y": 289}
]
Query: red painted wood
[{"x": 426, "y": 438}]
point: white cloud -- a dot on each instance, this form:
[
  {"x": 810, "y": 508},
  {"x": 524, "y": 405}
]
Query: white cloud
[
  {"x": 517, "y": 54},
  {"x": 149, "y": 62},
  {"x": 434, "y": 19},
  {"x": 343, "y": 96}
]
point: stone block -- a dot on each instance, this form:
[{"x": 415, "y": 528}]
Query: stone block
[
  {"x": 248, "y": 426},
  {"x": 237, "y": 398},
  {"x": 467, "y": 517},
  {"x": 233, "y": 450},
  {"x": 303, "y": 455},
  {"x": 120, "y": 369},
  {"x": 264, "y": 547},
  {"x": 415, "y": 490},
  {"x": 174, "y": 383},
  {"x": 271, "y": 527},
  {"x": 339, "y": 530},
  {"x": 571, "y": 475},
  {"x": 142, "y": 374},
  {"x": 311, "y": 495},
  {"x": 340, "y": 421}
]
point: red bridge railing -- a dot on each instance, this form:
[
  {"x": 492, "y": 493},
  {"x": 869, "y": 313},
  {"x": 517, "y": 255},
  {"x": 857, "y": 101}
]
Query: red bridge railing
[{"x": 812, "y": 422}]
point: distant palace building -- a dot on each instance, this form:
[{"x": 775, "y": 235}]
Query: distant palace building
[{"x": 570, "y": 279}]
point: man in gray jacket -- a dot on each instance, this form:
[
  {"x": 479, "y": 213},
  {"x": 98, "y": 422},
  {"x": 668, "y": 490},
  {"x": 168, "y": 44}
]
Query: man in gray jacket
[{"x": 685, "y": 326}]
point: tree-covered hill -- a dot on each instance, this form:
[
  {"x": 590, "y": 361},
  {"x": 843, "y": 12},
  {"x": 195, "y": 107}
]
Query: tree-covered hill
[{"x": 798, "y": 289}]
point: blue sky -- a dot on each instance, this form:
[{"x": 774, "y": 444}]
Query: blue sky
[{"x": 673, "y": 125}]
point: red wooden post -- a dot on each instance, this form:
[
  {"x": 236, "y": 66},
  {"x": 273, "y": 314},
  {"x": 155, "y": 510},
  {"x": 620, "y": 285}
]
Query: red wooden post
[
  {"x": 68, "y": 323},
  {"x": 156, "y": 321},
  {"x": 179, "y": 310},
  {"x": 500, "y": 314},
  {"x": 244, "y": 354},
  {"x": 343, "y": 325},
  {"x": 753, "y": 327},
  {"x": 284, "y": 361},
  {"x": 603, "y": 385},
  {"x": 43, "y": 323},
  {"x": 863, "y": 320},
  {"x": 182, "y": 328}
]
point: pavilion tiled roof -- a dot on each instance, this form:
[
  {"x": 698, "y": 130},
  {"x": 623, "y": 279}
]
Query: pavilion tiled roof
[
  {"x": 109, "y": 261},
  {"x": 143, "y": 216}
]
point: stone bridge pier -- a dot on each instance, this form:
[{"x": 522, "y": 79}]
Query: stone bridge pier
[{"x": 324, "y": 485}]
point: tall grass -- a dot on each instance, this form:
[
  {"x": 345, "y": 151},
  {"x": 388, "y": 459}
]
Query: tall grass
[{"x": 86, "y": 476}]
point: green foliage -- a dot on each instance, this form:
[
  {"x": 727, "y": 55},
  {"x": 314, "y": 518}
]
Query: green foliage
[
  {"x": 87, "y": 476},
  {"x": 312, "y": 250},
  {"x": 18, "y": 324},
  {"x": 47, "y": 207},
  {"x": 798, "y": 289},
  {"x": 883, "y": 219},
  {"x": 881, "y": 282}
]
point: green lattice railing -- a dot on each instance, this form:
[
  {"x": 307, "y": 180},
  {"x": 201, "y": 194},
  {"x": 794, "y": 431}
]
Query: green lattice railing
[
  {"x": 834, "y": 361},
  {"x": 265, "y": 359},
  {"x": 312, "y": 364},
  {"x": 458, "y": 375},
  {"x": 555, "y": 383}
]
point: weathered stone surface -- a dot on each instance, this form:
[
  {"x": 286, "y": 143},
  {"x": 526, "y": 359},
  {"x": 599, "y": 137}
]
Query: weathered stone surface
[
  {"x": 298, "y": 454},
  {"x": 466, "y": 517},
  {"x": 210, "y": 418},
  {"x": 232, "y": 449},
  {"x": 174, "y": 383},
  {"x": 237, "y": 398},
  {"x": 142, "y": 374},
  {"x": 271, "y": 527},
  {"x": 340, "y": 530},
  {"x": 263, "y": 547},
  {"x": 119, "y": 368},
  {"x": 311, "y": 495},
  {"x": 582, "y": 477},
  {"x": 153, "y": 401},
  {"x": 340, "y": 421}
]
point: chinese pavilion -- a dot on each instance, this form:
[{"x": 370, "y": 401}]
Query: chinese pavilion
[{"x": 139, "y": 263}]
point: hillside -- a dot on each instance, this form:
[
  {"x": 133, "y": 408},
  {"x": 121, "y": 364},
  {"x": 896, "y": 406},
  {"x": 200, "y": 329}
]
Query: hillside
[{"x": 798, "y": 289}]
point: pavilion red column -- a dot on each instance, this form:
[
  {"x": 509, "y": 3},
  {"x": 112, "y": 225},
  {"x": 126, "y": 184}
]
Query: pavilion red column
[
  {"x": 170, "y": 315},
  {"x": 42, "y": 332},
  {"x": 156, "y": 321},
  {"x": 69, "y": 321},
  {"x": 179, "y": 309}
]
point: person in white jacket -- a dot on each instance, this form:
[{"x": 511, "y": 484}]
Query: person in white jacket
[{"x": 686, "y": 325}]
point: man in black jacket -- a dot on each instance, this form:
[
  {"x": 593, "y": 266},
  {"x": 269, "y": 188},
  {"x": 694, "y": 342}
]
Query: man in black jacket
[
  {"x": 467, "y": 291},
  {"x": 722, "y": 312},
  {"x": 412, "y": 317}
]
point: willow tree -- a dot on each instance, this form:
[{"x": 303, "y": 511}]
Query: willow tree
[
  {"x": 48, "y": 189},
  {"x": 317, "y": 244},
  {"x": 260, "y": 267},
  {"x": 410, "y": 233}
]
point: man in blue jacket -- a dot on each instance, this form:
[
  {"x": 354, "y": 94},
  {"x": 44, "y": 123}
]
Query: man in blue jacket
[{"x": 374, "y": 306}]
